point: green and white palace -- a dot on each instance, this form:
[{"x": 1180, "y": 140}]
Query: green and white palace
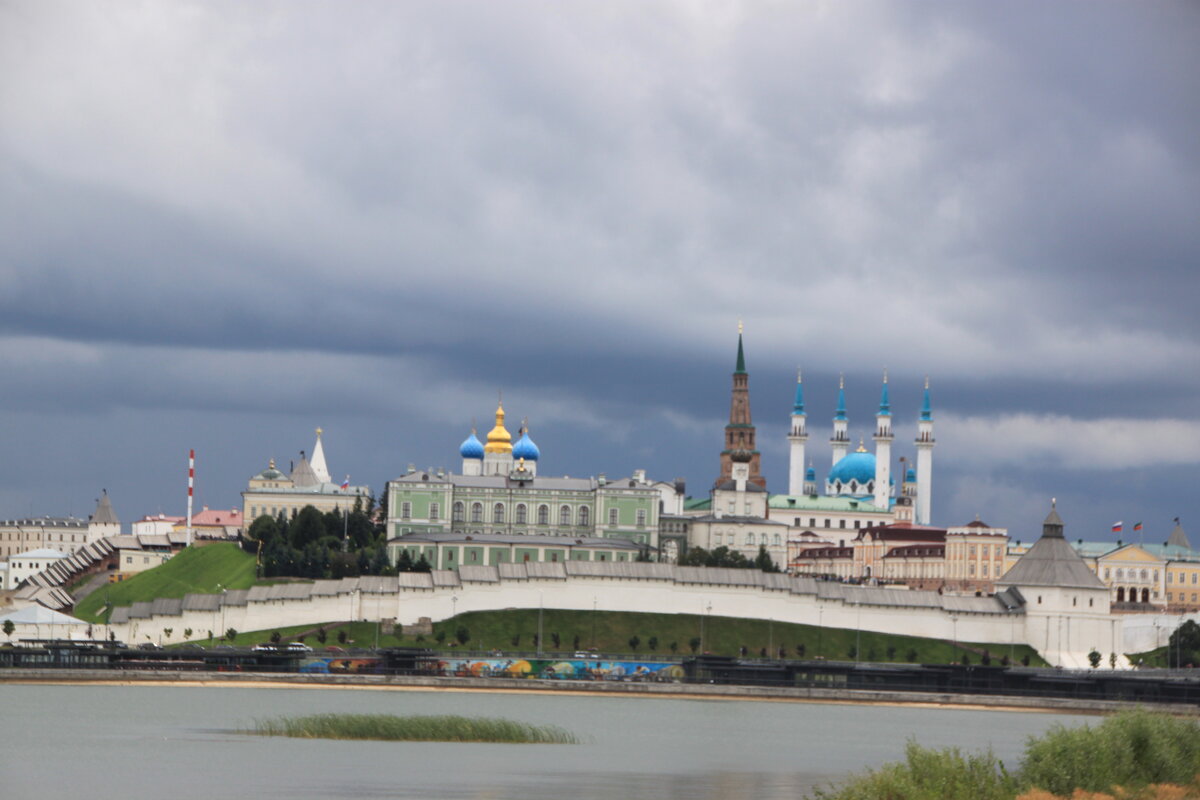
[{"x": 500, "y": 510}]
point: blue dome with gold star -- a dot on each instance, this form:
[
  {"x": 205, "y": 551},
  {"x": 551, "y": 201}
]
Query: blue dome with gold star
[
  {"x": 472, "y": 447},
  {"x": 525, "y": 448}
]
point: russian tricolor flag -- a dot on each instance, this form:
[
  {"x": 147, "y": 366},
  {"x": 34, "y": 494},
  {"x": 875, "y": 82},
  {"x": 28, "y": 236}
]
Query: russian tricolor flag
[
  {"x": 1117, "y": 526},
  {"x": 1137, "y": 526},
  {"x": 346, "y": 483}
]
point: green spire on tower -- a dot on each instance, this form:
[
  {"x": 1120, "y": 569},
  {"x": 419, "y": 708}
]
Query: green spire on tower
[{"x": 741, "y": 359}]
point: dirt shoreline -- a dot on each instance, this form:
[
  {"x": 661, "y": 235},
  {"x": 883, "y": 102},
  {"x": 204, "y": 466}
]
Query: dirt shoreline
[{"x": 672, "y": 691}]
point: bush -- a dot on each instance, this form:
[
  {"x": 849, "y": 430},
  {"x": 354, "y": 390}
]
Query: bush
[
  {"x": 1131, "y": 749},
  {"x": 932, "y": 775}
]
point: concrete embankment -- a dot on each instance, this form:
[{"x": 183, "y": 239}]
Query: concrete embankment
[{"x": 690, "y": 691}]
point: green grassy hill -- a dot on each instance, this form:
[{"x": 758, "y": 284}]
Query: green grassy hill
[
  {"x": 195, "y": 569},
  {"x": 514, "y": 630}
]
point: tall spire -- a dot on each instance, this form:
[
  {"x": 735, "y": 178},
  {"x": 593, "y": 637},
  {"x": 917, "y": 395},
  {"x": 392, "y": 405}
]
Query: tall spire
[
  {"x": 841, "y": 406},
  {"x": 926, "y": 407},
  {"x": 317, "y": 462},
  {"x": 885, "y": 406},
  {"x": 797, "y": 439},
  {"x": 798, "y": 405},
  {"x": 741, "y": 356},
  {"x": 739, "y": 433}
]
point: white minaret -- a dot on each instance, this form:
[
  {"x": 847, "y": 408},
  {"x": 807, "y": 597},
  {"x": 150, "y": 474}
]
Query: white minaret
[
  {"x": 317, "y": 462},
  {"x": 925, "y": 443},
  {"x": 797, "y": 438},
  {"x": 841, "y": 437},
  {"x": 883, "y": 448}
]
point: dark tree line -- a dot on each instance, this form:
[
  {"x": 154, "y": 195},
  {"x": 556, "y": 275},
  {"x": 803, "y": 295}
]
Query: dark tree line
[
  {"x": 724, "y": 557},
  {"x": 313, "y": 544}
]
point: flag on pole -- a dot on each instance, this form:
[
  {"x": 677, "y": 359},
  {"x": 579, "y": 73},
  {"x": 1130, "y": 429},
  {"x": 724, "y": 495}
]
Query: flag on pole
[
  {"x": 1117, "y": 526},
  {"x": 1137, "y": 526},
  {"x": 346, "y": 483}
]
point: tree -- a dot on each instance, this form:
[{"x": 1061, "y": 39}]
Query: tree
[
  {"x": 1112, "y": 660},
  {"x": 891, "y": 652},
  {"x": 575, "y": 642},
  {"x": 516, "y": 640},
  {"x": 167, "y": 633},
  {"x": 187, "y": 633},
  {"x": 673, "y": 646},
  {"x": 462, "y": 634},
  {"x": 404, "y": 562},
  {"x": 852, "y": 653},
  {"x": 763, "y": 560},
  {"x": 1184, "y": 642},
  {"x": 322, "y": 635},
  {"x": 966, "y": 660},
  {"x": 694, "y": 643},
  {"x": 440, "y": 636},
  {"x": 422, "y": 565},
  {"x": 634, "y": 641},
  {"x": 800, "y": 650},
  {"x": 911, "y": 655},
  {"x": 307, "y": 528},
  {"x": 231, "y": 634},
  {"x": 554, "y": 637},
  {"x": 1094, "y": 658},
  {"x": 9, "y": 629},
  {"x": 652, "y": 643},
  {"x": 342, "y": 636},
  {"x": 265, "y": 529},
  {"x": 275, "y": 637},
  {"x": 986, "y": 659}
]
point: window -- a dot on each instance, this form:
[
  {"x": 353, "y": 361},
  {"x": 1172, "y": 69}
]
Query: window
[
  {"x": 777, "y": 541},
  {"x": 716, "y": 538},
  {"x": 827, "y": 524},
  {"x": 543, "y": 515},
  {"x": 457, "y": 512},
  {"x": 857, "y": 523},
  {"x": 812, "y": 522},
  {"x": 434, "y": 511},
  {"x": 521, "y": 514},
  {"x": 641, "y": 518},
  {"x": 406, "y": 510},
  {"x": 584, "y": 516},
  {"x": 971, "y": 551},
  {"x": 841, "y": 523},
  {"x": 553, "y": 557},
  {"x": 1144, "y": 575},
  {"x": 749, "y": 538},
  {"x": 971, "y": 568},
  {"x": 1106, "y": 575},
  {"x": 477, "y": 512},
  {"x": 612, "y": 516},
  {"x": 564, "y": 515},
  {"x": 498, "y": 514}
]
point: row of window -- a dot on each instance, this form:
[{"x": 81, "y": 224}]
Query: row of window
[
  {"x": 986, "y": 550},
  {"x": 1182, "y": 577},
  {"x": 1133, "y": 575},
  {"x": 1182, "y": 597},
  {"x": 499, "y": 515},
  {"x": 750, "y": 539}
]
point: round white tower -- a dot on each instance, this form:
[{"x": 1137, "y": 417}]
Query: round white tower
[
  {"x": 883, "y": 448},
  {"x": 925, "y": 444},
  {"x": 797, "y": 437}
]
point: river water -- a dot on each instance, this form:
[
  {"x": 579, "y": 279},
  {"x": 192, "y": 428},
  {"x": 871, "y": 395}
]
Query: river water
[{"x": 146, "y": 741}]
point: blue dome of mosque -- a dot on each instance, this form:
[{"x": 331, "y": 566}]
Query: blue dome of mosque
[
  {"x": 858, "y": 467},
  {"x": 910, "y": 476},
  {"x": 525, "y": 448},
  {"x": 810, "y": 475},
  {"x": 472, "y": 447}
]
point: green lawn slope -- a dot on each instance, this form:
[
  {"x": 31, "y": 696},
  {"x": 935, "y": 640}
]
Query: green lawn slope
[
  {"x": 513, "y": 630},
  {"x": 193, "y": 570}
]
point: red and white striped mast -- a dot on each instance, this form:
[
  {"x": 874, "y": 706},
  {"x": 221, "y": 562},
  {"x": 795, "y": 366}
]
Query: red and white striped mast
[{"x": 191, "y": 483}]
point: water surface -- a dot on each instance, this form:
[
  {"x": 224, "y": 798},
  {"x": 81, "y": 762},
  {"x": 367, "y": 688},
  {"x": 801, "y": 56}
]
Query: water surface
[{"x": 144, "y": 741}]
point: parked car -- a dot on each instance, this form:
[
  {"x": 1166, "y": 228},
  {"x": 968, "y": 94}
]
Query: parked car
[{"x": 298, "y": 647}]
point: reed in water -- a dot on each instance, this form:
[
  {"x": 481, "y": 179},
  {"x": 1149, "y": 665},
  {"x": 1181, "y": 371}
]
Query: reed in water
[{"x": 388, "y": 727}]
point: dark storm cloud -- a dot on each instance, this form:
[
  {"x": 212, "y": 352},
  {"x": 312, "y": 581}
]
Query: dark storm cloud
[{"x": 242, "y": 220}]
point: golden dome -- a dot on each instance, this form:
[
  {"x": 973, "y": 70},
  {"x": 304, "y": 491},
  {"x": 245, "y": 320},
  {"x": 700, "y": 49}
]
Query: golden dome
[{"x": 499, "y": 440}]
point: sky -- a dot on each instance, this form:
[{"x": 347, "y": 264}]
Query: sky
[{"x": 223, "y": 225}]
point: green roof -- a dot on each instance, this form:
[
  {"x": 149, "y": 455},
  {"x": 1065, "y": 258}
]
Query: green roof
[
  {"x": 805, "y": 502},
  {"x": 697, "y": 504}
]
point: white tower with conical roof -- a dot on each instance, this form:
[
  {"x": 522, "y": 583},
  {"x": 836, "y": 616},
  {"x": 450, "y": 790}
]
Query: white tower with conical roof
[
  {"x": 797, "y": 437},
  {"x": 317, "y": 462},
  {"x": 924, "y": 444},
  {"x": 883, "y": 448}
]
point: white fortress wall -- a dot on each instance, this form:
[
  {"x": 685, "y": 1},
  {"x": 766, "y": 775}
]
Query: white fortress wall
[{"x": 1062, "y": 637}]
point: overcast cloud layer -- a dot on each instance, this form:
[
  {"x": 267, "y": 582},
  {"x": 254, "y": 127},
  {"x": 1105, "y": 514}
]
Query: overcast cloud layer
[{"x": 222, "y": 225}]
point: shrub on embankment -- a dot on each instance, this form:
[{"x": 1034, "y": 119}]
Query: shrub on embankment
[
  {"x": 388, "y": 727},
  {"x": 1131, "y": 755}
]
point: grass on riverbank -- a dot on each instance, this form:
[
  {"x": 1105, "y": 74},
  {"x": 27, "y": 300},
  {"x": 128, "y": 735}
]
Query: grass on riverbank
[
  {"x": 515, "y": 630},
  {"x": 204, "y": 569},
  {"x": 1127, "y": 755},
  {"x": 392, "y": 728}
]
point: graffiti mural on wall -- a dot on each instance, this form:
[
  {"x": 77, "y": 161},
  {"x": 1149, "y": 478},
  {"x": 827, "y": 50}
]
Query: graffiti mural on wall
[{"x": 561, "y": 669}]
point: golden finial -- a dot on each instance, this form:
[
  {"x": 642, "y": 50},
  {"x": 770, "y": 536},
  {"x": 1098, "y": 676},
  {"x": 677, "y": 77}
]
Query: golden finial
[
  {"x": 799, "y": 376},
  {"x": 1054, "y": 502},
  {"x": 926, "y": 381},
  {"x": 271, "y": 463},
  {"x": 319, "y": 432},
  {"x": 885, "y": 374},
  {"x": 861, "y": 449},
  {"x": 739, "y": 327},
  {"x": 841, "y": 380}
]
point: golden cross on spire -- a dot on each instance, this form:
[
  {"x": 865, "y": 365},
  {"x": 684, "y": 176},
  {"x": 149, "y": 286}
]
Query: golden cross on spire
[
  {"x": 319, "y": 432},
  {"x": 739, "y": 327}
]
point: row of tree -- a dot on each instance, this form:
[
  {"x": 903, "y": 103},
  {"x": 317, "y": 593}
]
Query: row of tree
[{"x": 724, "y": 557}]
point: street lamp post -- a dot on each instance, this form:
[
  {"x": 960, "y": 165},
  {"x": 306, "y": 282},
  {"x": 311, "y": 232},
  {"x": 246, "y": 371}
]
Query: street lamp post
[
  {"x": 593, "y": 623},
  {"x": 541, "y": 605},
  {"x": 857, "y": 632}
]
